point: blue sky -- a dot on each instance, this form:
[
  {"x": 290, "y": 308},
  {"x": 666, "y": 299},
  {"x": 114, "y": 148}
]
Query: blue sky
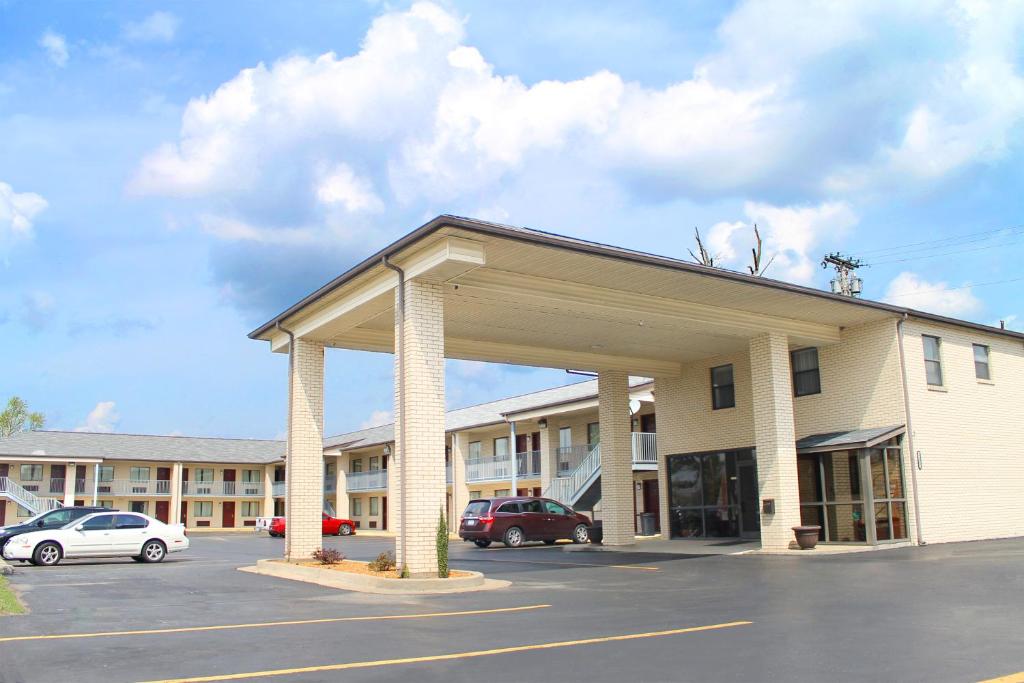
[{"x": 172, "y": 174}]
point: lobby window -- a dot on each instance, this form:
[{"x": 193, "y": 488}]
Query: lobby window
[
  {"x": 357, "y": 464},
  {"x": 374, "y": 506},
  {"x": 31, "y": 472},
  {"x": 806, "y": 377},
  {"x": 981, "y": 368},
  {"x": 723, "y": 390},
  {"x": 106, "y": 473},
  {"x": 203, "y": 508},
  {"x": 357, "y": 507},
  {"x": 474, "y": 451},
  {"x": 932, "y": 360}
]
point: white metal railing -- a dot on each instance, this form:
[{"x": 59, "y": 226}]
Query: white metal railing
[
  {"x": 222, "y": 489},
  {"x": 570, "y": 457},
  {"x": 278, "y": 488},
  {"x": 569, "y": 488},
  {"x": 489, "y": 469},
  {"x": 367, "y": 481},
  {"x": 645, "y": 448},
  {"x": 35, "y": 504},
  {"x": 131, "y": 487},
  {"x": 330, "y": 483},
  {"x": 528, "y": 464}
]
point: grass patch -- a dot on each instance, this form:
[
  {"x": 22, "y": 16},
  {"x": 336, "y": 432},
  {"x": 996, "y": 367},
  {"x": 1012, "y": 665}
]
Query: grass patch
[{"x": 9, "y": 603}]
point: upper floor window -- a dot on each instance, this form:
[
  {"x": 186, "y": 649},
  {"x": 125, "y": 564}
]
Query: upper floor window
[
  {"x": 31, "y": 472},
  {"x": 932, "y": 360},
  {"x": 723, "y": 390},
  {"x": 374, "y": 463},
  {"x": 565, "y": 437},
  {"x": 251, "y": 476},
  {"x": 806, "y": 377},
  {"x": 474, "y": 450},
  {"x": 106, "y": 473},
  {"x": 501, "y": 447},
  {"x": 204, "y": 474},
  {"x": 981, "y": 369},
  {"x": 357, "y": 464},
  {"x": 593, "y": 433},
  {"x": 140, "y": 474}
]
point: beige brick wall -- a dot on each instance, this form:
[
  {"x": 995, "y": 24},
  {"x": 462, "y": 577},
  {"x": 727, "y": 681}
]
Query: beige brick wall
[
  {"x": 305, "y": 462},
  {"x": 969, "y": 433},
  {"x": 670, "y": 397},
  {"x": 421, "y": 453},
  {"x": 616, "y": 458}
]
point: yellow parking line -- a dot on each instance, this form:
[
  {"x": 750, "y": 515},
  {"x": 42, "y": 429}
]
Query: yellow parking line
[
  {"x": 265, "y": 624},
  {"x": 1009, "y": 678},
  {"x": 454, "y": 655}
]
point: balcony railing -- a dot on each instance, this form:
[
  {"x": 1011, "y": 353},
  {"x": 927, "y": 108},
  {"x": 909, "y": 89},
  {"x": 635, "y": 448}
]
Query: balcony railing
[
  {"x": 278, "y": 488},
  {"x": 222, "y": 489},
  {"x": 490, "y": 469},
  {"x": 129, "y": 487},
  {"x": 645, "y": 448},
  {"x": 367, "y": 481}
]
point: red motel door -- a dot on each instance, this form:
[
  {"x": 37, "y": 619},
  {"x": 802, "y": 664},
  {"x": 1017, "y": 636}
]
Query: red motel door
[
  {"x": 163, "y": 511},
  {"x": 229, "y": 514}
]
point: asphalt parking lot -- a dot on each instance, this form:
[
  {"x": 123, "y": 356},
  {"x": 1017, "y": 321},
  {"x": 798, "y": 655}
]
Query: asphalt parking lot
[{"x": 939, "y": 613}]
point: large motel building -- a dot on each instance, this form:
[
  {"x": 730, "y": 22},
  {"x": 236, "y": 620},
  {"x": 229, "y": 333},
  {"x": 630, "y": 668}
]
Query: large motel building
[{"x": 728, "y": 405}]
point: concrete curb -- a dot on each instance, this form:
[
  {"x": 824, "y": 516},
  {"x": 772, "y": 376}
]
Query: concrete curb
[
  {"x": 363, "y": 583},
  {"x": 5, "y": 569}
]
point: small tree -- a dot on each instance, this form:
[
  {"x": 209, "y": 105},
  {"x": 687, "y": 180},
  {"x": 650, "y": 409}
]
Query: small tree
[
  {"x": 16, "y": 418},
  {"x": 442, "y": 546},
  {"x": 705, "y": 257}
]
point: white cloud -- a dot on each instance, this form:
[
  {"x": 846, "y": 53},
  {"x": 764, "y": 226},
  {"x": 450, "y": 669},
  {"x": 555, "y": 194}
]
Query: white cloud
[
  {"x": 791, "y": 236},
  {"x": 56, "y": 47},
  {"x": 158, "y": 27},
  {"x": 103, "y": 418},
  {"x": 233, "y": 230},
  {"x": 910, "y": 290},
  {"x": 377, "y": 418},
  {"x": 340, "y": 185},
  {"x": 17, "y": 211}
]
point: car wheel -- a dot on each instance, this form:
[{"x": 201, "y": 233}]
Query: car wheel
[
  {"x": 513, "y": 537},
  {"x": 580, "y": 534},
  {"x": 549, "y": 541},
  {"x": 154, "y": 551},
  {"x": 482, "y": 543},
  {"x": 46, "y": 554},
  {"x": 344, "y": 530}
]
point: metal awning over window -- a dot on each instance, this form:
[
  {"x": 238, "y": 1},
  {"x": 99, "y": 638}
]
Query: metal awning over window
[{"x": 856, "y": 438}]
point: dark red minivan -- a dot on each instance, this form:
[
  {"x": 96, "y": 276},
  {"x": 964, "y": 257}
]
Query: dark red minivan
[{"x": 513, "y": 521}]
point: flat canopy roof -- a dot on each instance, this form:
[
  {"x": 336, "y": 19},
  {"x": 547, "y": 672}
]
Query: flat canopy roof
[
  {"x": 521, "y": 296},
  {"x": 854, "y": 438}
]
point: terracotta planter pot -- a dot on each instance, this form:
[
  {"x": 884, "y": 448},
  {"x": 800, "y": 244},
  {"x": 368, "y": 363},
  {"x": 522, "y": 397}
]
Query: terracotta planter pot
[{"x": 806, "y": 536}]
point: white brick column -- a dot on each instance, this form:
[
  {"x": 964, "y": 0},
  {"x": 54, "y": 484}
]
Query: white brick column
[
  {"x": 548, "y": 455},
  {"x": 774, "y": 437},
  {"x": 341, "y": 505},
  {"x": 616, "y": 458},
  {"x": 175, "y": 516},
  {"x": 268, "y": 491},
  {"x": 668, "y": 401},
  {"x": 460, "y": 489},
  {"x": 419, "y": 403},
  {"x": 69, "y": 484},
  {"x": 304, "y": 498}
]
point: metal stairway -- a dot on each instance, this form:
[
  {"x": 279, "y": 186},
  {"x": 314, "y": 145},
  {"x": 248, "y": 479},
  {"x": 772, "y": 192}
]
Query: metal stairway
[
  {"x": 12, "y": 490},
  {"x": 571, "y": 488}
]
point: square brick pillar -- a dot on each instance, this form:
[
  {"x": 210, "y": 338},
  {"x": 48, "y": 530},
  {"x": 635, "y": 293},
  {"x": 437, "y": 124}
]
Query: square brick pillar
[
  {"x": 548, "y": 455},
  {"x": 460, "y": 489},
  {"x": 616, "y": 458},
  {"x": 419, "y": 403},
  {"x": 304, "y": 473},
  {"x": 341, "y": 504},
  {"x": 669, "y": 397},
  {"x": 775, "y": 438}
]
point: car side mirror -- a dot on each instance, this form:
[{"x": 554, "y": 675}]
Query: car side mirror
[
  {"x": 40, "y": 524},
  {"x": 80, "y": 527}
]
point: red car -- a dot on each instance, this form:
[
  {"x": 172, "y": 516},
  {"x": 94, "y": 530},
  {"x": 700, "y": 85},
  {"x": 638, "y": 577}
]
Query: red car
[
  {"x": 514, "y": 521},
  {"x": 332, "y": 526}
]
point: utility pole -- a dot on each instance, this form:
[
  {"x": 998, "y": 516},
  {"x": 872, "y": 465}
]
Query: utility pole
[{"x": 845, "y": 282}]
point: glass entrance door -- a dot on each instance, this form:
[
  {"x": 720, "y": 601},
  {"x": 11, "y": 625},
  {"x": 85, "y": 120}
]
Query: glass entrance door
[{"x": 713, "y": 495}]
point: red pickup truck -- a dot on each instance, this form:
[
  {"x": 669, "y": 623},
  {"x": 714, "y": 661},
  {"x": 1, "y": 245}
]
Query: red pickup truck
[{"x": 332, "y": 526}]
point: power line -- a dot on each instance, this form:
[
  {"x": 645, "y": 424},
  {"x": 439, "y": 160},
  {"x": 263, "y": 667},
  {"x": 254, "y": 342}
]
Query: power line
[
  {"x": 951, "y": 289},
  {"x": 946, "y": 253},
  {"x": 952, "y": 240}
]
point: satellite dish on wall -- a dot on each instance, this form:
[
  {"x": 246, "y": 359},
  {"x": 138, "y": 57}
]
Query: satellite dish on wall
[{"x": 634, "y": 406}]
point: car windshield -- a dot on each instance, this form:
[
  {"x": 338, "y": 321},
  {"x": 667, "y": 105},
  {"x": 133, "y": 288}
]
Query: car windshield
[{"x": 477, "y": 508}]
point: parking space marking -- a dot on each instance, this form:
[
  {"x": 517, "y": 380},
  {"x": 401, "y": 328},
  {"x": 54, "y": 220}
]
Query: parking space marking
[
  {"x": 266, "y": 624},
  {"x": 451, "y": 656},
  {"x": 1010, "y": 678}
]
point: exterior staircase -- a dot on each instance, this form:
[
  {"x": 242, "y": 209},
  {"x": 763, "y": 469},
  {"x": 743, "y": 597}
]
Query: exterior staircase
[
  {"x": 12, "y": 490},
  {"x": 581, "y": 488}
]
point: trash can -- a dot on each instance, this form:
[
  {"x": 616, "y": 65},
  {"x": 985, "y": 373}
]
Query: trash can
[{"x": 648, "y": 523}]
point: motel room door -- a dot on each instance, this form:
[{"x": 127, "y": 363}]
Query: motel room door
[
  {"x": 163, "y": 511},
  {"x": 228, "y": 516}
]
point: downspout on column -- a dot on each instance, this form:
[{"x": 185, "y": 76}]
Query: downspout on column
[
  {"x": 910, "y": 430},
  {"x": 400, "y": 381}
]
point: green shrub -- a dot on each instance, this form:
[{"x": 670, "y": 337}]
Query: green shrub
[
  {"x": 442, "y": 546},
  {"x": 385, "y": 562},
  {"x": 328, "y": 556}
]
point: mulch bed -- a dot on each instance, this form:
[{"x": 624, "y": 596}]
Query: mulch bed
[{"x": 353, "y": 567}]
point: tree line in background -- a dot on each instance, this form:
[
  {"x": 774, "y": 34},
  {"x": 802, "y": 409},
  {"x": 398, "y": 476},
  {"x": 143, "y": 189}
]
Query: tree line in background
[{"x": 17, "y": 418}]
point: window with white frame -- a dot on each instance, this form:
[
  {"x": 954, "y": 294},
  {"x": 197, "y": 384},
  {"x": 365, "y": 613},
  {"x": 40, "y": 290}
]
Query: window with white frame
[
  {"x": 374, "y": 463},
  {"x": 565, "y": 437},
  {"x": 806, "y": 376},
  {"x": 501, "y": 448},
  {"x": 501, "y": 493},
  {"x": 357, "y": 465},
  {"x": 204, "y": 475},
  {"x": 474, "y": 494},
  {"x": 932, "y": 360},
  {"x": 106, "y": 473},
  {"x": 723, "y": 388},
  {"x": 31, "y": 472},
  {"x": 252, "y": 476},
  {"x": 474, "y": 451},
  {"x": 139, "y": 474},
  {"x": 981, "y": 366},
  {"x": 203, "y": 508},
  {"x": 251, "y": 508}
]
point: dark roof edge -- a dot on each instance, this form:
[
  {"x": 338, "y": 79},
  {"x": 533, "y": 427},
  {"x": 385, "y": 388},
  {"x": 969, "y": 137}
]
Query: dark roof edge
[
  {"x": 597, "y": 249},
  {"x": 588, "y": 397}
]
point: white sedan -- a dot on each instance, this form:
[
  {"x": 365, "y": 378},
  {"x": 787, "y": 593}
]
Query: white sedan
[{"x": 102, "y": 534}]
